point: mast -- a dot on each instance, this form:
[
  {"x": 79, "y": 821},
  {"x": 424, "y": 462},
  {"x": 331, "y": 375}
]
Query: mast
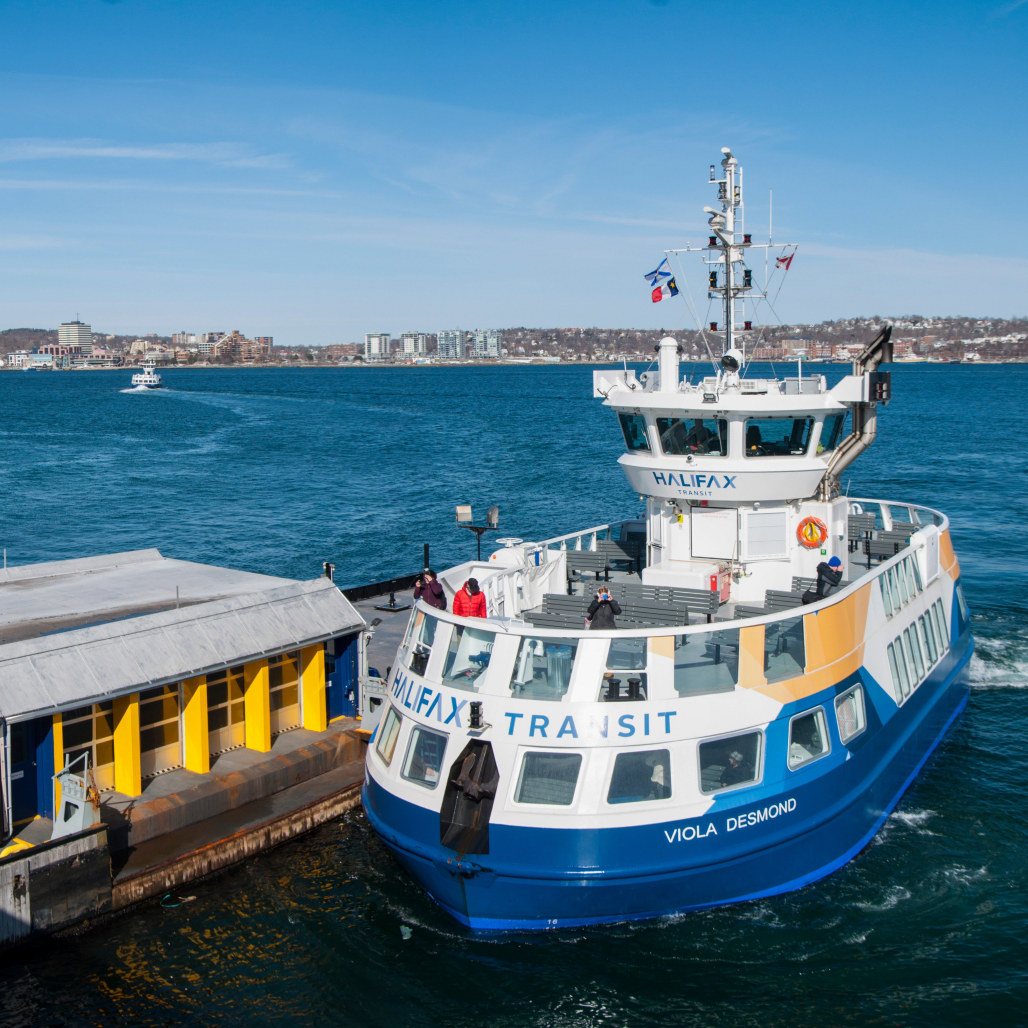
[{"x": 727, "y": 269}]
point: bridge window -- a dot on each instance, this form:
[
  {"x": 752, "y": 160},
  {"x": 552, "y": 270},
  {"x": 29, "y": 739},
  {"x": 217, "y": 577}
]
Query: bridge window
[
  {"x": 849, "y": 712},
  {"x": 418, "y": 644},
  {"x": 727, "y": 763},
  {"x": 778, "y": 437},
  {"x": 808, "y": 738},
  {"x": 424, "y": 757},
  {"x": 634, "y": 428},
  {"x": 467, "y": 657},
  {"x": 706, "y": 662},
  {"x": 639, "y": 777},
  {"x": 388, "y": 733},
  {"x": 548, "y": 778},
  {"x": 542, "y": 670},
  {"x": 833, "y": 431},
  {"x": 784, "y": 651},
  {"x": 693, "y": 436},
  {"x": 928, "y": 638},
  {"x": 898, "y": 666}
]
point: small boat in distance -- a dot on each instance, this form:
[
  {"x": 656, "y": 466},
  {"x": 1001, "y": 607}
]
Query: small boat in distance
[{"x": 148, "y": 377}]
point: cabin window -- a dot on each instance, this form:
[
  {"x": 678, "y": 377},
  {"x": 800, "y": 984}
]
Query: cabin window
[
  {"x": 424, "y": 757},
  {"x": 706, "y": 662},
  {"x": 833, "y": 431},
  {"x": 634, "y": 428},
  {"x": 626, "y": 654},
  {"x": 886, "y": 595},
  {"x": 683, "y": 437},
  {"x": 897, "y": 603},
  {"x": 914, "y": 658},
  {"x": 808, "y": 738},
  {"x": 916, "y": 570},
  {"x": 900, "y": 674},
  {"x": 928, "y": 638},
  {"x": 778, "y": 437},
  {"x": 542, "y": 670},
  {"x": 420, "y": 637},
  {"x": 388, "y": 734},
  {"x": 640, "y": 777},
  {"x": 901, "y": 581},
  {"x": 849, "y": 712},
  {"x": 467, "y": 657},
  {"x": 548, "y": 778},
  {"x": 940, "y": 625},
  {"x": 784, "y": 653},
  {"x": 727, "y": 763}
]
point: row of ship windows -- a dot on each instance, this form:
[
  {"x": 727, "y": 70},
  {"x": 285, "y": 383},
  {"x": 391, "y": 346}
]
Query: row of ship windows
[
  {"x": 708, "y": 437},
  {"x": 702, "y": 662},
  {"x": 551, "y": 777},
  {"x": 900, "y": 584},
  {"x": 917, "y": 649}
]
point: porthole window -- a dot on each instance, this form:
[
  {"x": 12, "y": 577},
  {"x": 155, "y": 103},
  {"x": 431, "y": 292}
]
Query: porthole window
[
  {"x": 850, "y": 713},
  {"x": 808, "y": 738}
]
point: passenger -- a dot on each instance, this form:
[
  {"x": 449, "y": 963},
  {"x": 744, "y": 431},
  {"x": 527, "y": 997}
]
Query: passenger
[
  {"x": 753, "y": 440},
  {"x": 700, "y": 437},
  {"x": 602, "y": 610},
  {"x": 427, "y": 588},
  {"x": 469, "y": 600},
  {"x": 828, "y": 578},
  {"x": 737, "y": 771}
]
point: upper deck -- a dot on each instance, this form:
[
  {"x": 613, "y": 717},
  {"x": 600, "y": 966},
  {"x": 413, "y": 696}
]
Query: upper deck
[{"x": 533, "y": 644}]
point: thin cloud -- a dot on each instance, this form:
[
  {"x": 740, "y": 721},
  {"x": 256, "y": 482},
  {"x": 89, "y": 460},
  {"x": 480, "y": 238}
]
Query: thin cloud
[
  {"x": 237, "y": 155},
  {"x": 1002, "y": 12}
]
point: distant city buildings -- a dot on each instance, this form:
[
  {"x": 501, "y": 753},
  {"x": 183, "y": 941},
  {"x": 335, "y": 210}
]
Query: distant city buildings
[
  {"x": 75, "y": 333},
  {"x": 376, "y": 346},
  {"x": 486, "y": 342},
  {"x": 451, "y": 343},
  {"x": 414, "y": 344},
  {"x": 337, "y": 350}
]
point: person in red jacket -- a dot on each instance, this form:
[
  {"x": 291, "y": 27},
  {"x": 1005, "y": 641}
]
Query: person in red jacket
[{"x": 469, "y": 600}]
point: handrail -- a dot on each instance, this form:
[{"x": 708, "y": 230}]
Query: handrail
[{"x": 509, "y": 626}]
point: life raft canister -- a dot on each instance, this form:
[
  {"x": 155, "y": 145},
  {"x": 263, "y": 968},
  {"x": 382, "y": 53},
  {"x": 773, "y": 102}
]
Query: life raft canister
[{"x": 812, "y": 533}]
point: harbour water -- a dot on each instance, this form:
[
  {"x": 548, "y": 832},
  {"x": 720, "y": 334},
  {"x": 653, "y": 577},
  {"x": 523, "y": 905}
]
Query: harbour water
[{"x": 278, "y": 470}]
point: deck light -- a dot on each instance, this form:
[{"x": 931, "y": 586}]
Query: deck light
[
  {"x": 746, "y": 239},
  {"x": 475, "y": 719},
  {"x": 713, "y": 280},
  {"x": 492, "y": 517},
  {"x": 713, "y": 326},
  {"x": 712, "y": 173},
  {"x": 463, "y": 514},
  {"x": 748, "y": 326},
  {"x": 747, "y": 278},
  {"x": 713, "y": 241}
]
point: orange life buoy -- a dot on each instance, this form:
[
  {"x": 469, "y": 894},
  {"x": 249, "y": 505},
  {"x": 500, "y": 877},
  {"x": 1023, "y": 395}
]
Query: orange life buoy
[{"x": 812, "y": 533}]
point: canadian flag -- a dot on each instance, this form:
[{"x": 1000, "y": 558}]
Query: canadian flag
[{"x": 784, "y": 262}]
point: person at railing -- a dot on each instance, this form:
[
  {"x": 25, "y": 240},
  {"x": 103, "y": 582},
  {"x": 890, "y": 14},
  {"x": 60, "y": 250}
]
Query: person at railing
[
  {"x": 828, "y": 578},
  {"x": 602, "y": 610},
  {"x": 428, "y": 588},
  {"x": 469, "y": 601}
]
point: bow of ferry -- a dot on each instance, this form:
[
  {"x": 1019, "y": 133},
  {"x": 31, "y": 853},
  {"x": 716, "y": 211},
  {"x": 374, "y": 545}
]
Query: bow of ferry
[{"x": 727, "y": 740}]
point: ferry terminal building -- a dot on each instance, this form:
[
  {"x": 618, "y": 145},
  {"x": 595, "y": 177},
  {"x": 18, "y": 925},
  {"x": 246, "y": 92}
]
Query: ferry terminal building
[{"x": 151, "y": 665}]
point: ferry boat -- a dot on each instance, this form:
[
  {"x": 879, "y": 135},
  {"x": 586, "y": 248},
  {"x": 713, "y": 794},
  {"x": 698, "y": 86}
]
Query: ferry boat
[
  {"x": 735, "y": 736},
  {"x": 148, "y": 377}
]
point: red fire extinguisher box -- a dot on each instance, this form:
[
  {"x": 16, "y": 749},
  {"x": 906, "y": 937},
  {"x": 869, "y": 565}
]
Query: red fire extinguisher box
[{"x": 721, "y": 584}]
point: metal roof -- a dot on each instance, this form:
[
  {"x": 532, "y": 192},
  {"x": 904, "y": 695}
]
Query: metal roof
[{"x": 75, "y": 666}]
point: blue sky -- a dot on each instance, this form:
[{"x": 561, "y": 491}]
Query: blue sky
[{"x": 316, "y": 171}]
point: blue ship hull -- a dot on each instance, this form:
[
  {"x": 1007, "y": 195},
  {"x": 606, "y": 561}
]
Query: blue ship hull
[{"x": 781, "y": 837}]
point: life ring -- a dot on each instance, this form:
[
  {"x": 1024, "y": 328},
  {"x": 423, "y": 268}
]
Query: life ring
[{"x": 812, "y": 533}]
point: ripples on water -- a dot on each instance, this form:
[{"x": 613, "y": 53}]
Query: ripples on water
[{"x": 275, "y": 471}]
